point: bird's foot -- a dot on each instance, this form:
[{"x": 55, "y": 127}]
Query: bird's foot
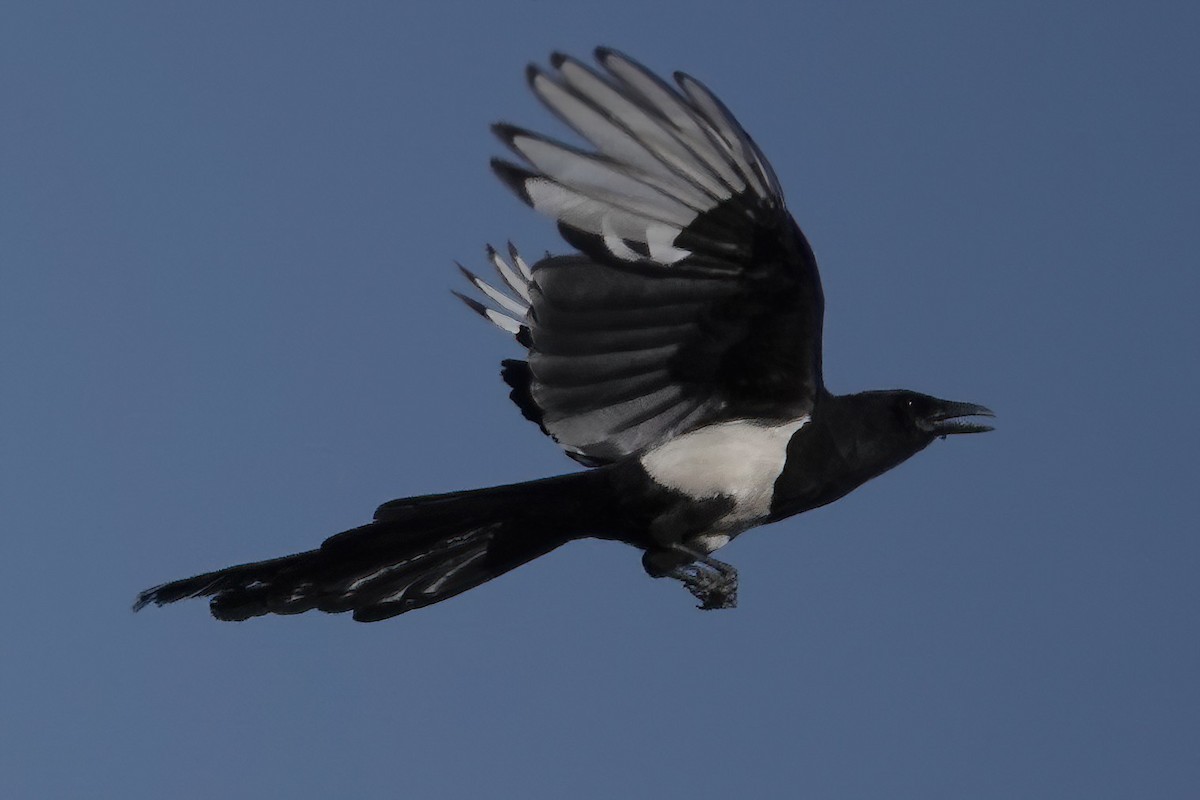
[{"x": 714, "y": 583}]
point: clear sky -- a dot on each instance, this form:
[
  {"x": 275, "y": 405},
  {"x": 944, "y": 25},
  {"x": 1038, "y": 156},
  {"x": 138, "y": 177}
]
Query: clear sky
[{"x": 226, "y": 242}]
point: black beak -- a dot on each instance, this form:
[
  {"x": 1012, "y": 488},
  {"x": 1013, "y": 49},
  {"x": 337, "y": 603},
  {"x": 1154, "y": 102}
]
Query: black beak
[{"x": 950, "y": 417}]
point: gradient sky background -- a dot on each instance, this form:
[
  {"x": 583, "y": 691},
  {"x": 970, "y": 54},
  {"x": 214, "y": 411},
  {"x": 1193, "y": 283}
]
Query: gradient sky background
[{"x": 226, "y": 240}]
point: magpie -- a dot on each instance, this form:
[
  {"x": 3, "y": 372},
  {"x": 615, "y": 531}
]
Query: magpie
[{"x": 676, "y": 353}]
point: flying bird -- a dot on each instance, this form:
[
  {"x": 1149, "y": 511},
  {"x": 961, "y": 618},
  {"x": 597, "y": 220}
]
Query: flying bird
[{"x": 676, "y": 353}]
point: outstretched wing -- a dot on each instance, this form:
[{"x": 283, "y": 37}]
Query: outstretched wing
[{"x": 696, "y": 298}]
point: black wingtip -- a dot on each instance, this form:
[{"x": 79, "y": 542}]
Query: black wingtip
[
  {"x": 532, "y": 72},
  {"x": 605, "y": 54},
  {"x": 471, "y": 277},
  {"x": 514, "y": 178},
  {"x": 505, "y": 131},
  {"x": 559, "y": 60},
  {"x": 473, "y": 304},
  {"x": 508, "y": 133}
]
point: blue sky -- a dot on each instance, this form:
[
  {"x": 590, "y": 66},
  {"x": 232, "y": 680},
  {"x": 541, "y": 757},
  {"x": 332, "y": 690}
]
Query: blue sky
[{"x": 226, "y": 236}]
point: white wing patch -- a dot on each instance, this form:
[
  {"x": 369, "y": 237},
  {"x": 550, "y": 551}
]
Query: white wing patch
[
  {"x": 663, "y": 157},
  {"x": 740, "y": 459}
]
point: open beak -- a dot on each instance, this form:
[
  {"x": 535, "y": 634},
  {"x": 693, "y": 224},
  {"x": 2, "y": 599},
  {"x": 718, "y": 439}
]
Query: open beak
[{"x": 951, "y": 417}]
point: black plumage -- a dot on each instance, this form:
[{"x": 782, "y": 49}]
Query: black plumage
[{"x": 678, "y": 354}]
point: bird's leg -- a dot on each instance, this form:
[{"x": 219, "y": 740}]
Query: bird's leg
[{"x": 712, "y": 582}]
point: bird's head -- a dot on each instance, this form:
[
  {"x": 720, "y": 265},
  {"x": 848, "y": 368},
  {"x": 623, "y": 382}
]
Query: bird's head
[
  {"x": 886, "y": 427},
  {"x": 916, "y": 419},
  {"x": 931, "y": 417}
]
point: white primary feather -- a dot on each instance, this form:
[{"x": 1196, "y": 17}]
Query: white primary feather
[
  {"x": 601, "y": 178},
  {"x": 499, "y": 297},
  {"x": 664, "y": 156},
  {"x": 677, "y": 159},
  {"x": 519, "y": 284},
  {"x": 518, "y": 279}
]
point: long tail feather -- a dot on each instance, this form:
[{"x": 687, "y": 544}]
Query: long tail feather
[{"x": 418, "y": 551}]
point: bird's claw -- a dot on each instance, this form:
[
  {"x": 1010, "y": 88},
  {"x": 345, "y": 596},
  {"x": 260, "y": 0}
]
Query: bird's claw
[{"x": 714, "y": 583}]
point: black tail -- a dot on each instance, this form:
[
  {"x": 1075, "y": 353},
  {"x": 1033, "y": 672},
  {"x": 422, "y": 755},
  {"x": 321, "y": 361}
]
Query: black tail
[{"x": 418, "y": 551}]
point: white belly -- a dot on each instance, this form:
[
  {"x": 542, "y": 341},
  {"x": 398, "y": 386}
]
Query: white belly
[{"x": 739, "y": 460}]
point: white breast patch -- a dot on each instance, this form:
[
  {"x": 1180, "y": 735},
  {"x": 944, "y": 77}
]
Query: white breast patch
[{"x": 739, "y": 459}]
